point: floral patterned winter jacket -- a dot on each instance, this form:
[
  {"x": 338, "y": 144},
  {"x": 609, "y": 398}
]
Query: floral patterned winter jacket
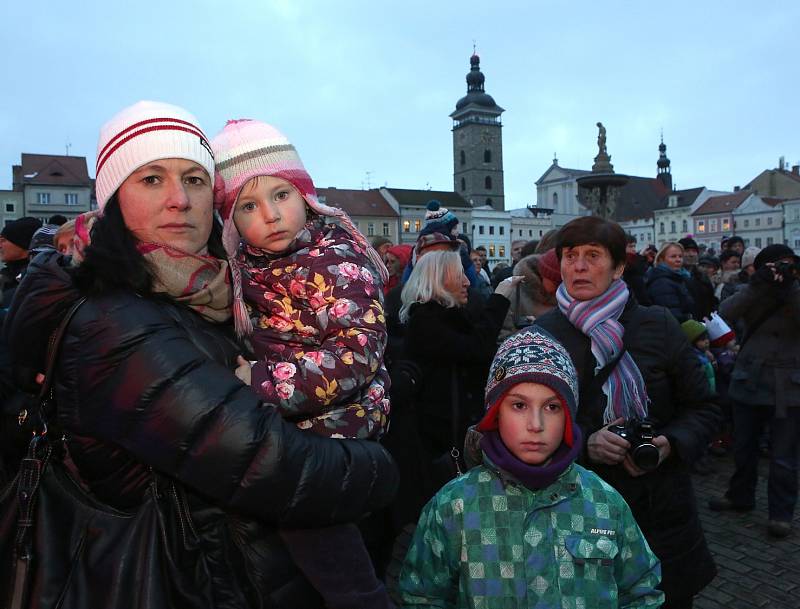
[{"x": 319, "y": 332}]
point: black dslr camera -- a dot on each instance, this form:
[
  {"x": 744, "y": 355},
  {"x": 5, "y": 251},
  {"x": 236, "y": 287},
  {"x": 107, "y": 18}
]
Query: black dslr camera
[
  {"x": 789, "y": 270},
  {"x": 640, "y": 434}
]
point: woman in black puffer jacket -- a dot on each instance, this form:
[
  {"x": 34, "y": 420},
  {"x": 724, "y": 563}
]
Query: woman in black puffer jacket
[
  {"x": 144, "y": 381},
  {"x": 667, "y": 282}
]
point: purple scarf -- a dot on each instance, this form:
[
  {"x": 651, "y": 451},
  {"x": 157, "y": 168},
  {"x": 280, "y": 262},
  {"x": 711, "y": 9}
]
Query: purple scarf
[
  {"x": 598, "y": 319},
  {"x": 534, "y": 477}
]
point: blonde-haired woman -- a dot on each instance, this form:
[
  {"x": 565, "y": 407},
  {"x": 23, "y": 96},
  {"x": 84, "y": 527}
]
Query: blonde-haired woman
[
  {"x": 667, "y": 282},
  {"x": 445, "y": 340}
]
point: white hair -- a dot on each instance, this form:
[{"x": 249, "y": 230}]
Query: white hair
[{"x": 427, "y": 281}]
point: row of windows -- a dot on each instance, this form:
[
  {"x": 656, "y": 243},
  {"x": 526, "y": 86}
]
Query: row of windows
[
  {"x": 673, "y": 227},
  {"x": 501, "y": 251},
  {"x": 757, "y": 241},
  {"x": 487, "y": 157},
  {"x": 530, "y": 232},
  {"x": 501, "y": 229},
  {"x": 371, "y": 228},
  {"x": 43, "y": 198},
  {"x": 487, "y": 183}
]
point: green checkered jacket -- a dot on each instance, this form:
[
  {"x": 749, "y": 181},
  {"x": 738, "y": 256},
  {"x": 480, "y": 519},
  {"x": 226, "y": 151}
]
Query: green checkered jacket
[{"x": 487, "y": 542}]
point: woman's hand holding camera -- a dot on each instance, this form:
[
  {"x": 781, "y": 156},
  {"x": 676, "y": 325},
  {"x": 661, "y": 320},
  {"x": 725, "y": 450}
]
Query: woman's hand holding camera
[{"x": 605, "y": 446}]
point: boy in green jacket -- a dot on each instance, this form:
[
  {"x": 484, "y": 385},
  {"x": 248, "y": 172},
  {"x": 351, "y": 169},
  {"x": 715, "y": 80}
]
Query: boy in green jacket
[{"x": 529, "y": 527}]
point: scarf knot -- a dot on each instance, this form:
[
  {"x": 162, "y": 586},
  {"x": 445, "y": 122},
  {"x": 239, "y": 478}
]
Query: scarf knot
[
  {"x": 199, "y": 282},
  {"x": 598, "y": 319}
]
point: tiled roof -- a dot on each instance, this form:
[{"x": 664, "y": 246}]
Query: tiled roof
[
  {"x": 54, "y": 170},
  {"x": 722, "y": 203},
  {"x": 772, "y": 201},
  {"x": 420, "y": 198},
  {"x": 358, "y": 202},
  {"x": 686, "y": 196}
]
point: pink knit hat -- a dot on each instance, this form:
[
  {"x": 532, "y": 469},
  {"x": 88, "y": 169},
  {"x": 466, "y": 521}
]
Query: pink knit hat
[
  {"x": 245, "y": 149},
  {"x": 142, "y": 133}
]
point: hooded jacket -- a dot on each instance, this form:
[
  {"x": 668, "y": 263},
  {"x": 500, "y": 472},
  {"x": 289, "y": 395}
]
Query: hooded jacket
[{"x": 145, "y": 383}]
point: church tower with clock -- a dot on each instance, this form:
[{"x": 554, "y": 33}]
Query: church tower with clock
[{"x": 478, "y": 144}]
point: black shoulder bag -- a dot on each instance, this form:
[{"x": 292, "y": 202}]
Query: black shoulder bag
[{"x": 61, "y": 547}]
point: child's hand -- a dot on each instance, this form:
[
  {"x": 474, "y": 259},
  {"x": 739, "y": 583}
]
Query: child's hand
[{"x": 243, "y": 371}]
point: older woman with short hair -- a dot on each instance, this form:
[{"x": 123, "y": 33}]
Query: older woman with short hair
[
  {"x": 634, "y": 363},
  {"x": 444, "y": 339},
  {"x": 144, "y": 385}
]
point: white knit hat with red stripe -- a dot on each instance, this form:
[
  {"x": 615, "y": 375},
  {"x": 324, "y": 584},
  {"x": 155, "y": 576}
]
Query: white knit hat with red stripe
[{"x": 142, "y": 133}]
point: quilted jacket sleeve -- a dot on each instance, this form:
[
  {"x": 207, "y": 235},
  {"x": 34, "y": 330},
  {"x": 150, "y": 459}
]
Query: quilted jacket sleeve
[
  {"x": 132, "y": 376},
  {"x": 637, "y": 571},
  {"x": 429, "y": 577}
]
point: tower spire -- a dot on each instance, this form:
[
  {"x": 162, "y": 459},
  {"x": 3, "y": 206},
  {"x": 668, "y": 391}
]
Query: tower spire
[{"x": 664, "y": 171}]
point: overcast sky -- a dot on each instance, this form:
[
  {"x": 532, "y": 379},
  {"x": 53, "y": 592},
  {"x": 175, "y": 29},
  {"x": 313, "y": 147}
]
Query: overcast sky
[{"x": 367, "y": 86}]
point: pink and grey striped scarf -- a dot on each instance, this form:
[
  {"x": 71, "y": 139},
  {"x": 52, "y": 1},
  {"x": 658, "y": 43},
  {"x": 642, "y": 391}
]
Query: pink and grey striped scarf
[{"x": 598, "y": 319}]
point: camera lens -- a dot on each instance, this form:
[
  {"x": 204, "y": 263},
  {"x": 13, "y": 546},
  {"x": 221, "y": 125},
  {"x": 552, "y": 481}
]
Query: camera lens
[{"x": 645, "y": 456}]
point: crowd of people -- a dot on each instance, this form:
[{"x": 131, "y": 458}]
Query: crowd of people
[{"x": 367, "y": 424}]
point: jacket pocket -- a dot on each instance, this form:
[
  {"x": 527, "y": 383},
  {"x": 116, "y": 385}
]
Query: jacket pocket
[{"x": 587, "y": 570}]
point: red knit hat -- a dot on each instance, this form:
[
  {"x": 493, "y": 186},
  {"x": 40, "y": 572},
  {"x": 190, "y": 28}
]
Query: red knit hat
[{"x": 548, "y": 266}]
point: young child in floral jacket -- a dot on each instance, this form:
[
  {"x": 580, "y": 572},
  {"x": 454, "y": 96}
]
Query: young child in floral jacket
[
  {"x": 308, "y": 295},
  {"x": 529, "y": 527}
]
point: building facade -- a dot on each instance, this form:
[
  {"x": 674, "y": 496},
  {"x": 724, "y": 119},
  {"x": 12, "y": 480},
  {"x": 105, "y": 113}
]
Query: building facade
[
  {"x": 557, "y": 190},
  {"x": 791, "y": 224},
  {"x": 714, "y": 220},
  {"x": 11, "y": 206},
  {"x": 759, "y": 221},
  {"x": 369, "y": 210},
  {"x": 478, "y": 144},
  {"x": 492, "y": 229},
  {"x": 53, "y": 184}
]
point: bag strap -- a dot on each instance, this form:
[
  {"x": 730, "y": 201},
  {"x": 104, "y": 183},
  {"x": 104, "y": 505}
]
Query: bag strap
[
  {"x": 455, "y": 418},
  {"x": 30, "y": 475},
  {"x": 54, "y": 346}
]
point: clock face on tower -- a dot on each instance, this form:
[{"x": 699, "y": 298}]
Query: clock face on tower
[{"x": 486, "y": 137}]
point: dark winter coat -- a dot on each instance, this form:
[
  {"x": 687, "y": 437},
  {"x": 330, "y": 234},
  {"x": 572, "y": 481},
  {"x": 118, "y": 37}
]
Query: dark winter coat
[
  {"x": 439, "y": 338},
  {"x": 702, "y": 292},
  {"x": 682, "y": 406},
  {"x": 670, "y": 289},
  {"x": 767, "y": 370},
  {"x": 143, "y": 383},
  {"x": 636, "y": 268}
]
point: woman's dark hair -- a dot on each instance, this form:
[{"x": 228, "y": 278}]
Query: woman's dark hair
[
  {"x": 724, "y": 256},
  {"x": 593, "y": 229},
  {"x": 113, "y": 262}
]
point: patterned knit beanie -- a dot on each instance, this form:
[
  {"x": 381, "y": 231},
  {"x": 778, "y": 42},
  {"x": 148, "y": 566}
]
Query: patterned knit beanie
[
  {"x": 246, "y": 149},
  {"x": 42, "y": 239},
  {"x": 438, "y": 219},
  {"x": 532, "y": 356},
  {"x": 142, "y": 133}
]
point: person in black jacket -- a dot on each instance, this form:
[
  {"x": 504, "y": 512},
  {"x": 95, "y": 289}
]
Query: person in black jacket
[
  {"x": 444, "y": 339},
  {"x": 647, "y": 371},
  {"x": 636, "y": 267},
  {"x": 700, "y": 287},
  {"x": 144, "y": 380},
  {"x": 668, "y": 282}
]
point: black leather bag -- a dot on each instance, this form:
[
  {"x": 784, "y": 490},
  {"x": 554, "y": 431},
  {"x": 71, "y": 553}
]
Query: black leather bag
[{"x": 61, "y": 547}]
